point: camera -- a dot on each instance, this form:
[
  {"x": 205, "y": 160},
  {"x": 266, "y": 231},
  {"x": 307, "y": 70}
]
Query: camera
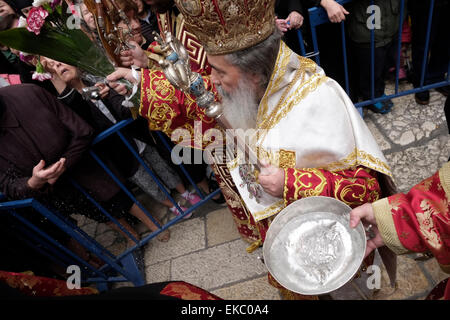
[{"x": 91, "y": 93}]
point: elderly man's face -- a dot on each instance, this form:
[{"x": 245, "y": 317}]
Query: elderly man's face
[
  {"x": 240, "y": 92},
  {"x": 224, "y": 74}
]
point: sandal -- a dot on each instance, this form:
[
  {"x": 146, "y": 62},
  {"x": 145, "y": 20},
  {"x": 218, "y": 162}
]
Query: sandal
[{"x": 164, "y": 236}]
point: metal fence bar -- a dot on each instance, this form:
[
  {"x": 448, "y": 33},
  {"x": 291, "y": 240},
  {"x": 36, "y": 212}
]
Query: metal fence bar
[
  {"x": 84, "y": 242},
  {"x": 89, "y": 243},
  {"x": 427, "y": 43},
  {"x": 84, "y": 234},
  {"x": 315, "y": 45},
  {"x": 318, "y": 16},
  {"x": 120, "y": 184},
  {"x": 399, "y": 44},
  {"x": 400, "y": 94},
  {"x": 117, "y": 223},
  {"x": 448, "y": 72},
  {"x": 79, "y": 260},
  {"x": 166, "y": 144},
  {"x": 344, "y": 55},
  {"x": 372, "y": 62},
  {"x": 149, "y": 171},
  {"x": 300, "y": 40},
  {"x": 111, "y": 130},
  {"x": 23, "y": 234},
  {"x": 171, "y": 222}
]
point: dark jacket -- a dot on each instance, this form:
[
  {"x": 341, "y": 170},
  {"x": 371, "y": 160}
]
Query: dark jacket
[
  {"x": 35, "y": 126},
  {"x": 284, "y": 7},
  {"x": 358, "y": 19},
  {"x": 92, "y": 115},
  {"x": 112, "y": 150}
]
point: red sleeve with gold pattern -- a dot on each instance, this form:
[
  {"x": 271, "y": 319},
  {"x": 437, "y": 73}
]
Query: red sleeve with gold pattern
[
  {"x": 353, "y": 187},
  {"x": 187, "y": 291},
  {"x": 419, "y": 220},
  {"x": 32, "y": 285},
  {"x": 168, "y": 109}
]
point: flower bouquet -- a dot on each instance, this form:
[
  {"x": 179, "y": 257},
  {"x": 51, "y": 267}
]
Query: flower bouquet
[{"x": 50, "y": 31}]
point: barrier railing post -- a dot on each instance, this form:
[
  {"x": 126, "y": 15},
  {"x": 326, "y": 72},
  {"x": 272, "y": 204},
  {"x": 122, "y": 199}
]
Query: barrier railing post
[
  {"x": 183, "y": 169},
  {"x": 399, "y": 44},
  {"x": 427, "y": 43}
]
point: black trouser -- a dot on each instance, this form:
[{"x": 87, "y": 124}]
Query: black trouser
[
  {"x": 383, "y": 59},
  {"x": 439, "y": 43},
  {"x": 447, "y": 112},
  {"x": 196, "y": 171}
]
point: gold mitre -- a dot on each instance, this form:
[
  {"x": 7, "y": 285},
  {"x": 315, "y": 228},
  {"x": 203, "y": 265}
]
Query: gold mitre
[{"x": 225, "y": 26}]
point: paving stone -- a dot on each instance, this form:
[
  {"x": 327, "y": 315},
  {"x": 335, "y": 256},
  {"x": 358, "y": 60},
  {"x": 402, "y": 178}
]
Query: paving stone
[
  {"x": 81, "y": 220},
  {"x": 435, "y": 271},
  {"x": 255, "y": 289},
  {"x": 90, "y": 229},
  {"x": 410, "y": 281},
  {"x": 185, "y": 237},
  {"x": 409, "y": 122},
  {"x": 220, "y": 227},
  {"x": 416, "y": 143},
  {"x": 407, "y": 138},
  {"x": 158, "y": 272},
  {"x": 118, "y": 247},
  {"x": 106, "y": 239},
  {"x": 219, "y": 265},
  {"x": 412, "y": 165},
  {"x": 102, "y": 228},
  {"x": 379, "y": 137}
]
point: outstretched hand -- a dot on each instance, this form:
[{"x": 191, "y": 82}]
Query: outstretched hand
[
  {"x": 336, "y": 12},
  {"x": 282, "y": 25},
  {"x": 135, "y": 56},
  {"x": 121, "y": 73},
  {"x": 42, "y": 175},
  {"x": 366, "y": 215},
  {"x": 294, "y": 20}
]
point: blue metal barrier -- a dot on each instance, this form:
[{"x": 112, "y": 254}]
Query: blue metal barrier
[
  {"x": 318, "y": 16},
  {"x": 124, "y": 267}
]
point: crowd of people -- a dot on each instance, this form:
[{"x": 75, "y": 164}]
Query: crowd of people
[
  {"x": 386, "y": 20},
  {"x": 47, "y": 175},
  {"x": 262, "y": 81}
]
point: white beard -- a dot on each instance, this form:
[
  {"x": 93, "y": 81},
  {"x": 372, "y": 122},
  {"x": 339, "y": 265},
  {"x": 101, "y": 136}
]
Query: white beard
[{"x": 240, "y": 107}]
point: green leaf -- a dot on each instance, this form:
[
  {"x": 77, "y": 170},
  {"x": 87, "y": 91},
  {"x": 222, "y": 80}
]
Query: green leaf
[{"x": 72, "y": 47}]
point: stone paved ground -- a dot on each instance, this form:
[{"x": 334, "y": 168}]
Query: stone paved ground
[{"x": 207, "y": 251}]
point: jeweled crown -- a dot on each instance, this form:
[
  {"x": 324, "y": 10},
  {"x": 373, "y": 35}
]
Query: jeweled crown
[{"x": 225, "y": 26}]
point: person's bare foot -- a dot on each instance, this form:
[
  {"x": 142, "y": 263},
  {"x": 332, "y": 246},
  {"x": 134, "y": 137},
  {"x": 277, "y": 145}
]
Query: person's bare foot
[
  {"x": 164, "y": 236},
  {"x": 130, "y": 243}
]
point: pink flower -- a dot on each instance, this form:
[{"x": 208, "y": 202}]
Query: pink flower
[
  {"x": 40, "y": 73},
  {"x": 36, "y": 19},
  {"x": 25, "y": 57},
  {"x": 41, "y": 76}
]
